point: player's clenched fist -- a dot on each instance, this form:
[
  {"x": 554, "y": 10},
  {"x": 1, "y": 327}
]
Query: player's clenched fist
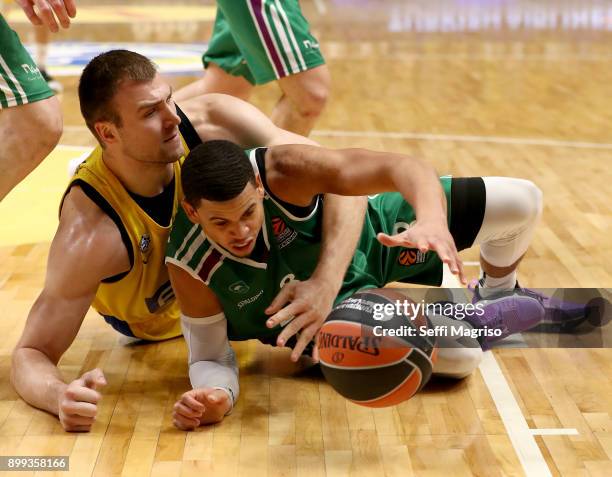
[
  {"x": 78, "y": 403},
  {"x": 201, "y": 406}
]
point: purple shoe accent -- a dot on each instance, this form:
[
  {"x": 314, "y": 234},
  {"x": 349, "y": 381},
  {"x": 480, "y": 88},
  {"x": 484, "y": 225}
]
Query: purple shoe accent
[
  {"x": 557, "y": 310},
  {"x": 566, "y": 314},
  {"x": 508, "y": 314}
]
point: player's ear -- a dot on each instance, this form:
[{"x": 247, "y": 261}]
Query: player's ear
[
  {"x": 259, "y": 187},
  {"x": 106, "y": 131},
  {"x": 191, "y": 212}
]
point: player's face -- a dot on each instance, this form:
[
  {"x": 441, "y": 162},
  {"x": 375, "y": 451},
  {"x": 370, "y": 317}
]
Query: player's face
[
  {"x": 149, "y": 123},
  {"x": 234, "y": 224}
]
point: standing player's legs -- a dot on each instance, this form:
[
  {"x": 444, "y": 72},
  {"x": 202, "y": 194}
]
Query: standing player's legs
[
  {"x": 289, "y": 53},
  {"x": 304, "y": 98},
  {"x": 226, "y": 68},
  {"x": 258, "y": 41},
  {"x": 30, "y": 117}
]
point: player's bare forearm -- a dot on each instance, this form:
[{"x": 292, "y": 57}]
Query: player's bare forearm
[
  {"x": 36, "y": 379},
  {"x": 351, "y": 172},
  {"x": 342, "y": 223}
]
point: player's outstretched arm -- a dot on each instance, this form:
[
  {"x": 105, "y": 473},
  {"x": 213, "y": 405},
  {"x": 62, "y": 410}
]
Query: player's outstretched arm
[
  {"x": 213, "y": 371},
  {"x": 363, "y": 172},
  {"x": 49, "y": 12},
  {"x": 83, "y": 252}
]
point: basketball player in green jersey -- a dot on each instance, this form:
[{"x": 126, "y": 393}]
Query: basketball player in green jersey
[
  {"x": 115, "y": 219},
  {"x": 258, "y": 41},
  {"x": 250, "y": 231}
]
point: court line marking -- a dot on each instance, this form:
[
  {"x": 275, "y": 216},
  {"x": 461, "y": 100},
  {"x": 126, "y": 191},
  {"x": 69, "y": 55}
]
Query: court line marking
[
  {"x": 440, "y": 137},
  {"x": 520, "y": 435},
  {"x": 554, "y": 432},
  {"x": 518, "y": 431},
  {"x": 464, "y": 138}
]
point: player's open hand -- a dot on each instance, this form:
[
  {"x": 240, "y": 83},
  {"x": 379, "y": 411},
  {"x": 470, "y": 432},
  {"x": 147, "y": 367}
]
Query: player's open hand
[
  {"x": 44, "y": 12},
  {"x": 425, "y": 236},
  {"x": 309, "y": 304},
  {"x": 200, "y": 406},
  {"x": 78, "y": 403}
]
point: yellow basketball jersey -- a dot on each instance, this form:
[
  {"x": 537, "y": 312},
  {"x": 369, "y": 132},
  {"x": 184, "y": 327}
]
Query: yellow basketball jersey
[{"x": 142, "y": 297}]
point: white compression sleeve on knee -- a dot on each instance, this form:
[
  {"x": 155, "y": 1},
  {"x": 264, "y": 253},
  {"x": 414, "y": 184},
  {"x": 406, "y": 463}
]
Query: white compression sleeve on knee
[
  {"x": 513, "y": 209},
  {"x": 212, "y": 362}
]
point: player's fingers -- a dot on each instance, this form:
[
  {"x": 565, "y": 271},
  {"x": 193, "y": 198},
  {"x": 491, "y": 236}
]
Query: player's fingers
[
  {"x": 188, "y": 400},
  {"x": 82, "y": 394},
  {"x": 94, "y": 379},
  {"x": 448, "y": 254},
  {"x": 70, "y": 8},
  {"x": 83, "y": 409},
  {"x": 30, "y": 13},
  {"x": 399, "y": 240},
  {"x": 292, "y": 328},
  {"x": 459, "y": 266},
  {"x": 281, "y": 299},
  {"x": 315, "y": 353},
  {"x": 76, "y": 420},
  {"x": 45, "y": 13},
  {"x": 185, "y": 411},
  {"x": 423, "y": 245},
  {"x": 305, "y": 337},
  {"x": 60, "y": 12},
  {"x": 285, "y": 315},
  {"x": 184, "y": 423},
  {"x": 315, "y": 349}
]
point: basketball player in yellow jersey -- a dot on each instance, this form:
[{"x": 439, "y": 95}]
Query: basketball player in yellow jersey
[{"x": 114, "y": 223}]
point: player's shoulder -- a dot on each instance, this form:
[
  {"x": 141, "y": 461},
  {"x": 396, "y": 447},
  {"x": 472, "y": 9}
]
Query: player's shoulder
[
  {"x": 185, "y": 237},
  {"x": 86, "y": 234},
  {"x": 82, "y": 221}
]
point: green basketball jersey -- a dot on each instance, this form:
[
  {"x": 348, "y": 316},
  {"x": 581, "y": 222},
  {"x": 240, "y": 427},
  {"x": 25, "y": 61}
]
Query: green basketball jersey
[{"x": 290, "y": 246}]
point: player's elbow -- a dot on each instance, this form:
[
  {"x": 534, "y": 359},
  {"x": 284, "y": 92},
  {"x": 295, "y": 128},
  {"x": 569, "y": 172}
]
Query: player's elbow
[{"x": 284, "y": 161}]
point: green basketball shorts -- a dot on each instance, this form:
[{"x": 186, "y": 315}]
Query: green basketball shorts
[
  {"x": 262, "y": 40},
  {"x": 20, "y": 79}
]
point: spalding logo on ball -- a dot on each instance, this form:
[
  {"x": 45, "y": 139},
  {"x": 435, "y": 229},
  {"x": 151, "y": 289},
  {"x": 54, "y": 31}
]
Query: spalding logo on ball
[{"x": 370, "y": 369}]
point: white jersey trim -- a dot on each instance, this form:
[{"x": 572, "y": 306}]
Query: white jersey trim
[{"x": 253, "y": 159}]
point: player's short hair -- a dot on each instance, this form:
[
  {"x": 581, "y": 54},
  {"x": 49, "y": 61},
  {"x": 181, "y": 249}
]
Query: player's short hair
[
  {"x": 101, "y": 79},
  {"x": 217, "y": 171}
]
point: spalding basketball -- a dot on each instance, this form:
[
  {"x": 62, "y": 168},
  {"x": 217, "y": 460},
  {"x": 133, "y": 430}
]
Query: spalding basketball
[{"x": 368, "y": 352}]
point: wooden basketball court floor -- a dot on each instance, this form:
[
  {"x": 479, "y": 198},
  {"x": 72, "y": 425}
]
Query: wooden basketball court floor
[{"x": 477, "y": 88}]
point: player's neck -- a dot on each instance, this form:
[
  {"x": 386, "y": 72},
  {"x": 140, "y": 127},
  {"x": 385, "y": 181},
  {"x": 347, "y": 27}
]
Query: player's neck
[{"x": 144, "y": 179}]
